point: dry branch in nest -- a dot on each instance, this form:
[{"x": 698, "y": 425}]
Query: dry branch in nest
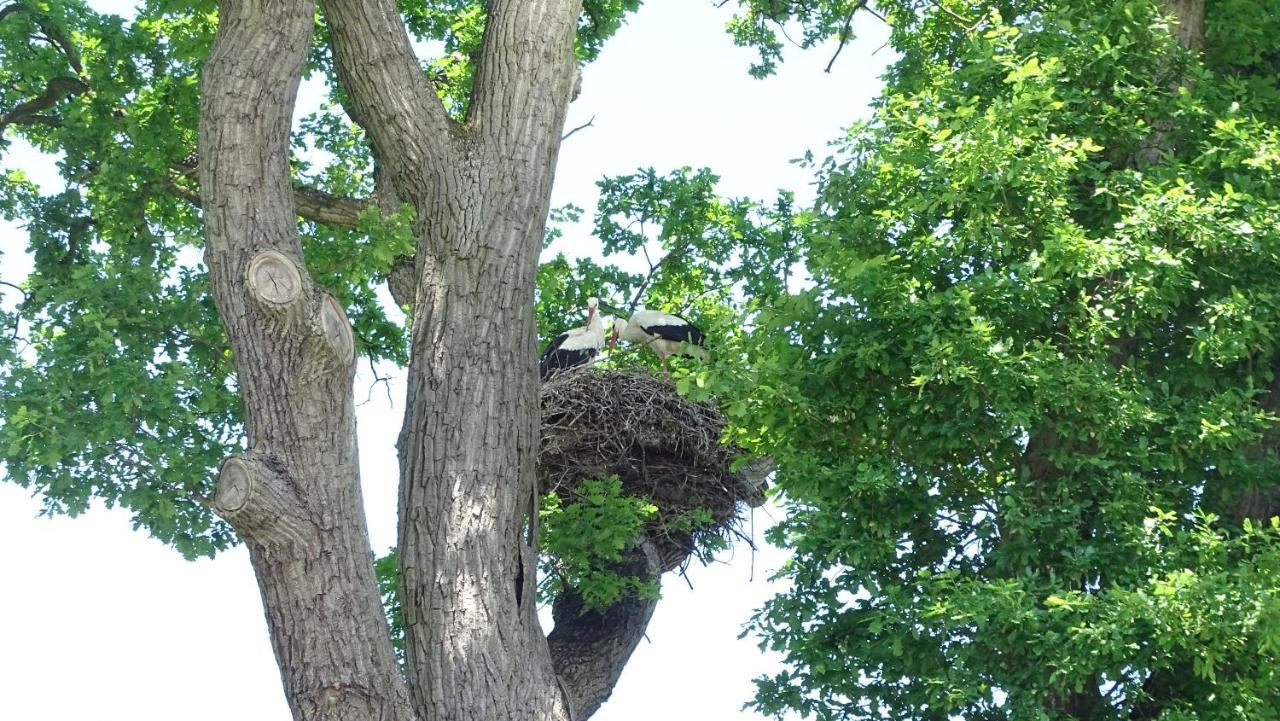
[{"x": 662, "y": 447}]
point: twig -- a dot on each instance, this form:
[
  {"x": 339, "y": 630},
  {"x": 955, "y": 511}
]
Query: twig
[
  {"x": 587, "y": 124},
  {"x": 7, "y": 284},
  {"x": 377, "y": 379},
  {"x": 845, "y": 33},
  {"x": 968, "y": 25},
  {"x": 783, "y": 29},
  {"x": 17, "y": 318},
  {"x": 653, "y": 271}
]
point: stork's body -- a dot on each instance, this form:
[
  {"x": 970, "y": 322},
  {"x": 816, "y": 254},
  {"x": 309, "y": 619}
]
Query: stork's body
[
  {"x": 665, "y": 333},
  {"x": 574, "y": 347}
]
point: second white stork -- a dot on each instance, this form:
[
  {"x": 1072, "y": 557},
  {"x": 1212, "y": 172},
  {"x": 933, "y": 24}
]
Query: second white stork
[
  {"x": 665, "y": 333},
  {"x": 574, "y": 347}
]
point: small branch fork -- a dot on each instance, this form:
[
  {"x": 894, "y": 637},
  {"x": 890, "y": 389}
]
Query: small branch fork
[
  {"x": 846, "y": 33},
  {"x": 588, "y": 124}
]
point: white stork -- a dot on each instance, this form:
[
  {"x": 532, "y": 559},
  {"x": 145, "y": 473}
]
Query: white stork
[
  {"x": 574, "y": 347},
  {"x": 665, "y": 333}
]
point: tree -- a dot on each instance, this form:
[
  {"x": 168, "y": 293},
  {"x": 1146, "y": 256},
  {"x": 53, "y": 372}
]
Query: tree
[
  {"x": 1025, "y": 415},
  {"x": 135, "y": 368}
]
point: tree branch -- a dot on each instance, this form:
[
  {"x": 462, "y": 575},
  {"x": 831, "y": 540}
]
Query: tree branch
[
  {"x": 51, "y": 34},
  {"x": 589, "y": 649},
  {"x": 584, "y": 126},
  {"x": 311, "y": 203},
  {"x": 526, "y": 69},
  {"x": 321, "y": 207},
  {"x": 845, "y": 33},
  {"x": 27, "y": 112},
  {"x": 392, "y": 98}
]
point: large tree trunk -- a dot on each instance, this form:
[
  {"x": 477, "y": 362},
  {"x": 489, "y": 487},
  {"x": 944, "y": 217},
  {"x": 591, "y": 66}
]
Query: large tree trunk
[
  {"x": 294, "y": 496},
  {"x": 481, "y": 190}
]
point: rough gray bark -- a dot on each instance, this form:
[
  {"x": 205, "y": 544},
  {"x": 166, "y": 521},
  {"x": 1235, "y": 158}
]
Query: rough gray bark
[
  {"x": 590, "y": 648},
  {"x": 481, "y": 191},
  {"x": 294, "y": 497}
]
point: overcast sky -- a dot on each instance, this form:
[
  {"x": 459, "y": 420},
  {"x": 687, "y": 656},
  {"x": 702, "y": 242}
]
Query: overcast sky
[{"x": 97, "y": 620}]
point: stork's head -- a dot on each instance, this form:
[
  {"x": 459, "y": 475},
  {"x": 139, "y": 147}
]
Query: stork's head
[
  {"x": 592, "y": 304},
  {"x": 619, "y": 327}
]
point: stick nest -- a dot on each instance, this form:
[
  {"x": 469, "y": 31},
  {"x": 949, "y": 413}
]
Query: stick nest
[{"x": 662, "y": 447}]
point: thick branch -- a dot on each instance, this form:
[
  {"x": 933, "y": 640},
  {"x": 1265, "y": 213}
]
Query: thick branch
[
  {"x": 51, "y": 33},
  {"x": 321, "y": 207},
  {"x": 392, "y": 98},
  {"x": 589, "y": 649},
  {"x": 311, "y": 203},
  {"x": 258, "y": 498},
  {"x": 526, "y": 69},
  {"x": 28, "y": 112}
]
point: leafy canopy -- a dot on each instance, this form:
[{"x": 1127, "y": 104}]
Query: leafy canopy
[{"x": 1026, "y": 407}]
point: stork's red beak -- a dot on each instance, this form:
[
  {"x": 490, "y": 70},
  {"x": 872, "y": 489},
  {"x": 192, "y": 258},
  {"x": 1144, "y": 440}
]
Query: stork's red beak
[
  {"x": 613, "y": 340},
  {"x": 591, "y": 315}
]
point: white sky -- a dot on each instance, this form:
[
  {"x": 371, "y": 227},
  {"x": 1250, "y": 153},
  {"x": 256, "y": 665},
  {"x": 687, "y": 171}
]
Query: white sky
[{"x": 99, "y": 621}]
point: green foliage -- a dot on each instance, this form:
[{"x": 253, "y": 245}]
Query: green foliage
[
  {"x": 763, "y": 25},
  {"x": 387, "y": 569},
  {"x": 583, "y": 541},
  {"x": 1028, "y": 387}
]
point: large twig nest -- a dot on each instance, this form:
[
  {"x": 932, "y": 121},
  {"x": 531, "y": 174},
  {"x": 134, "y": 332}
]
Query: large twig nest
[{"x": 662, "y": 447}]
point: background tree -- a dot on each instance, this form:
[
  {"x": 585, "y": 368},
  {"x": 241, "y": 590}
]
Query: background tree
[{"x": 1025, "y": 414}]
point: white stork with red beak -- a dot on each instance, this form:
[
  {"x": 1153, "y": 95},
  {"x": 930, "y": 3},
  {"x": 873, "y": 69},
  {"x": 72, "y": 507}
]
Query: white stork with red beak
[
  {"x": 665, "y": 333},
  {"x": 574, "y": 347}
]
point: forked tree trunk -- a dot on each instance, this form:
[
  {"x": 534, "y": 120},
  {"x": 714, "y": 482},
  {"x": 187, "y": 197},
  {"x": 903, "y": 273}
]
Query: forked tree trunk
[{"x": 481, "y": 190}]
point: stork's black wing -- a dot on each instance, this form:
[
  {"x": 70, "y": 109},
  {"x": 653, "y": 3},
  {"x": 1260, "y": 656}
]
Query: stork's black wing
[
  {"x": 553, "y": 345},
  {"x": 555, "y": 358},
  {"x": 680, "y": 333}
]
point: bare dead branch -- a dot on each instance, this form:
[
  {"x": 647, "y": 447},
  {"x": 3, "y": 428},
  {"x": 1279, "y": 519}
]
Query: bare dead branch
[{"x": 588, "y": 124}]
